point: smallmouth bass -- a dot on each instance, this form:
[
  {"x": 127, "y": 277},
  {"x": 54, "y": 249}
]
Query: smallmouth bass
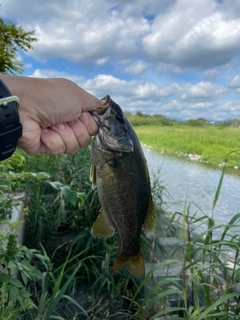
[{"x": 120, "y": 172}]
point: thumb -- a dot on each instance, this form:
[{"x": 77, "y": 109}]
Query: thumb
[{"x": 88, "y": 101}]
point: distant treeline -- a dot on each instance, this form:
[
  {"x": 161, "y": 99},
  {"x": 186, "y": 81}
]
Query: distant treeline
[{"x": 140, "y": 119}]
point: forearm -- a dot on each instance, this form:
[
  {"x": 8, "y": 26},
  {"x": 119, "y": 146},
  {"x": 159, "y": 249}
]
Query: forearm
[{"x": 15, "y": 84}]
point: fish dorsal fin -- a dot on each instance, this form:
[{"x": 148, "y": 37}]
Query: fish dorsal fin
[
  {"x": 101, "y": 227},
  {"x": 150, "y": 220},
  {"x": 93, "y": 175}
]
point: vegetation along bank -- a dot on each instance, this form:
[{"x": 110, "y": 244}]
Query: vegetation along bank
[{"x": 212, "y": 143}]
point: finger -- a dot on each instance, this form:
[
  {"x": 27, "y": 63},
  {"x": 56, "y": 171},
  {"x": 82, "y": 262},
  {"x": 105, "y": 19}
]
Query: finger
[
  {"x": 84, "y": 100},
  {"x": 90, "y": 124},
  {"x": 52, "y": 142},
  {"x": 68, "y": 137},
  {"x": 88, "y": 101},
  {"x": 81, "y": 133},
  {"x": 30, "y": 141}
]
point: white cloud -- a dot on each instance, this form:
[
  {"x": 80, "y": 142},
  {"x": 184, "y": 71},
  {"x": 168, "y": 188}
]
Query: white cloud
[
  {"x": 202, "y": 91},
  {"x": 101, "y": 61},
  {"x": 228, "y": 110},
  {"x": 81, "y": 31},
  {"x": 136, "y": 90},
  {"x": 142, "y": 92},
  {"x": 183, "y": 101},
  {"x": 193, "y": 36},
  {"x": 165, "y": 56},
  {"x": 197, "y": 36},
  {"x": 210, "y": 74},
  {"x": 41, "y": 73},
  {"x": 137, "y": 67},
  {"x": 28, "y": 66},
  {"x": 235, "y": 83}
]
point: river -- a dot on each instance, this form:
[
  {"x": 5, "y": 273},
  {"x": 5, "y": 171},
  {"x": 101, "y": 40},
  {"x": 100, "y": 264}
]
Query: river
[{"x": 196, "y": 184}]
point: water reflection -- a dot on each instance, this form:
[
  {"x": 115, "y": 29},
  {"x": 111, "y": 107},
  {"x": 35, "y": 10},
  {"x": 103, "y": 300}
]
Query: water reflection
[{"x": 195, "y": 183}]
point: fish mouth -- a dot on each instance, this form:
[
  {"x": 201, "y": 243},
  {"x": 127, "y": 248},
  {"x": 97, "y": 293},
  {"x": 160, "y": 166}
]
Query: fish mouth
[
  {"x": 98, "y": 114},
  {"x": 105, "y": 104}
]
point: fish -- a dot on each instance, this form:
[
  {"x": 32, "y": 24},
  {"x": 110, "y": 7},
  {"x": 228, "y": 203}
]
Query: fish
[{"x": 120, "y": 173}]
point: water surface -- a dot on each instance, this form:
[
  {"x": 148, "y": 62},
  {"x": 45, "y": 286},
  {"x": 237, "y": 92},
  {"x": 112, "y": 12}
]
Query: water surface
[{"x": 195, "y": 183}]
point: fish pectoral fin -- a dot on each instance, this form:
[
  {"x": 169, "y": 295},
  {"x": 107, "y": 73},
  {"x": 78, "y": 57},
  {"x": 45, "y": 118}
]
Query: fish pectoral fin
[
  {"x": 93, "y": 175},
  {"x": 150, "y": 220},
  {"x": 101, "y": 227},
  {"x": 134, "y": 264}
]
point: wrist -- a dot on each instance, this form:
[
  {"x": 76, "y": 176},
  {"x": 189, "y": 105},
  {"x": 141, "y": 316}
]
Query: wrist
[
  {"x": 24, "y": 88},
  {"x": 11, "y": 83},
  {"x": 10, "y": 126}
]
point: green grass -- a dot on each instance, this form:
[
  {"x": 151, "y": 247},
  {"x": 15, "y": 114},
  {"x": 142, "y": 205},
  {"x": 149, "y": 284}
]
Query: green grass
[
  {"x": 214, "y": 144},
  {"x": 60, "y": 209}
]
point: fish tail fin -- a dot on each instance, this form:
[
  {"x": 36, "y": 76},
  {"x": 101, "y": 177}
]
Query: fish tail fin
[{"x": 134, "y": 264}]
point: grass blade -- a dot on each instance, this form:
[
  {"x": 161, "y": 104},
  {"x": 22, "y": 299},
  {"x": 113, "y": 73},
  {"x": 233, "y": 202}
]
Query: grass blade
[{"x": 218, "y": 188}]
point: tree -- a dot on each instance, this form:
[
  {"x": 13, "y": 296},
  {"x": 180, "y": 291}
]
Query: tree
[
  {"x": 13, "y": 38},
  {"x": 139, "y": 114}
]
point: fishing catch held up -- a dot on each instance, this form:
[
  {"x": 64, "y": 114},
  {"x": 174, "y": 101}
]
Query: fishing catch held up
[{"x": 120, "y": 172}]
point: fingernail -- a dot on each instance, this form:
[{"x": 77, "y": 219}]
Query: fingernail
[
  {"x": 44, "y": 130},
  {"x": 60, "y": 126},
  {"x": 70, "y": 123},
  {"x": 84, "y": 118}
]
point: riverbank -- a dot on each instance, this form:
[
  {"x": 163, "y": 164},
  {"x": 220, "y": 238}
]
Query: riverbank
[
  {"x": 196, "y": 157},
  {"x": 211, "y": 145}
]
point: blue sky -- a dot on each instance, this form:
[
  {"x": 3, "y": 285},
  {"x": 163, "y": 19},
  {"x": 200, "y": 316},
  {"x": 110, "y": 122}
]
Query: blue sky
[{"x": 171, "y": 57}]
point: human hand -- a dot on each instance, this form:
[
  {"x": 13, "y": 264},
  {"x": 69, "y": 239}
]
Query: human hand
[{"x": 54, "y": 114}]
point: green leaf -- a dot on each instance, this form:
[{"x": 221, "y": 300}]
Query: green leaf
[
  {"x": 14, "y": 294},
  {"x": 4, "y": 277},
  {"x": 11, "y": 265},
  {"x": 219, "y": 188},
  {"x": 12, "y": 38},
  {"x": 230, "y": 223},
  {"x": 25, "y": 293},
  {"x": 220, "y": 301},
  {"x": 28, "y": 175},
  {"x": 58, "y": 293},
  {"x": 70, "y": 195},
  {"x": 43, "y": 175},
  {"x": 56, "y": 184},
  {"x": 24, "y": 278},
  {"x": 29, "y": 255},
  {"x": 17, "y": 283},
  {"x": 76, "y": 303}
]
